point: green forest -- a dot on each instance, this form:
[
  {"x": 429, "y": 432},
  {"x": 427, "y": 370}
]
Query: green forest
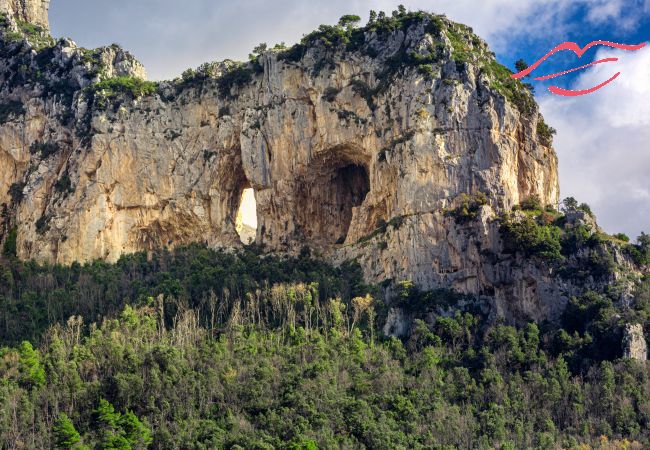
[{"x": 197, "y": 348}]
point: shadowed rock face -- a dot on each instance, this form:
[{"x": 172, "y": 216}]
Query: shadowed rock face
[
  {"x": 330, "y": 190},
  {"x": 336, "y": 140}
]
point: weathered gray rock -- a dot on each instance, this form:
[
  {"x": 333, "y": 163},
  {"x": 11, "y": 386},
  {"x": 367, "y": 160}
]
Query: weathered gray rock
[
  {"x": 634, "y": 343},
  {"x": 396, "y": 324}
]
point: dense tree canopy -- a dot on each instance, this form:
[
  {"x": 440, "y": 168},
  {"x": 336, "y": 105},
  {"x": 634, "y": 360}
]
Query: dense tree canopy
[
  {"x": 289, "y": 355},
  {"x": 198, "y": 348}
]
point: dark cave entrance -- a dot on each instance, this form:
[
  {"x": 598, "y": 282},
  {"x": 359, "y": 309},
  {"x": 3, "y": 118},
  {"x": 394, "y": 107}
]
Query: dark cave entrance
[{"x": 326, "y": 198}]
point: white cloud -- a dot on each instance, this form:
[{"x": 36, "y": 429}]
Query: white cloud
[
  {"x": 625, "y": 102},
  {"x": 625, "y": 14},
  {"x": 602, "y": 141}
]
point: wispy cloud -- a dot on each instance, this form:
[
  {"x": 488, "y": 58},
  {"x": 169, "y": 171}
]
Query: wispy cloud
[
  {"x": 624, "y": 13},
  {"x": 602, "y": 141}
]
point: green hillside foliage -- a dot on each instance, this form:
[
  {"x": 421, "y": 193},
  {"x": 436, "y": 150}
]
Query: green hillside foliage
[
  {"x": 197, "y": 348},
  {"x": 112, "y": 88},
  {"x": 320, "y": 378},
  {"x": 33, "y": 296}
]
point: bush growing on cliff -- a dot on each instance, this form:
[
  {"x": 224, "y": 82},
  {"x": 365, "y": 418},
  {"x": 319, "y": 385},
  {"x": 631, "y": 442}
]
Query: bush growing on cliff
[
  {"x": 586, "y": 208},
  {"x": 239, "y": 75},
  {"x": 131, "y": 86},
  {"x": 328, "y": 35},
  {"x": 468, "y": 207},
  {"x": 521, "y": 65},
  {"x": 257, "y": 51},
  {"x": 533, "y": 204},
  {"x": 64, "y": 184},
  {"x": 349, "y": 21},
  {"x": 44, "y": 149},
  {"x": 330, "y": 94},
  {"x": 569, "y": 204},
  {"x": 641, "y": 251},
  {"x": 382, "y": 227},
  {"x": 545, "y": 133},
  {"x": 10, "y": 247},
  {"x": 622, "y": 237},
  {"x": 43, "y": 224},
  {"x": 16, "y": 192},
  {"x": 195, "y": 77},
  {"x": 525, "y": 234}
]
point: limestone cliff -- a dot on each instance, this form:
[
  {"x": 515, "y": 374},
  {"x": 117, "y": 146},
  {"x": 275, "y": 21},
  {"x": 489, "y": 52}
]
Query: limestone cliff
[
  {"x": 357, "y": 142},
  {"x": 31, "y": 11},
  {"x": 634, "y": 343}
]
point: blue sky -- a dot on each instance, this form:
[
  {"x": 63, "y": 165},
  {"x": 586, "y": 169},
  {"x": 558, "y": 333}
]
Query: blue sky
[
  {"x": 603, "y": 139},
  {"x": 579, "y": 23}
]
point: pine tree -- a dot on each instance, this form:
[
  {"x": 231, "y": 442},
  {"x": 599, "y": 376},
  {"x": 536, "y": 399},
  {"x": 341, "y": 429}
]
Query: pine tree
[
  {"x": 121, "y": 431},
  {"x": 111, "y": 435},
  {"x": 521, "y": 65},
  {"x": 65, "y": 434},
  {"x": 349, "y": 21},
  {"x": 135, "y": 432},
  {"x": 32, "y": 373}
]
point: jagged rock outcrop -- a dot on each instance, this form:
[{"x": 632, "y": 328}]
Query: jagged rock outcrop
[
  {"x": 634, "y": 343},
  {"x": 357, "y": 143}
]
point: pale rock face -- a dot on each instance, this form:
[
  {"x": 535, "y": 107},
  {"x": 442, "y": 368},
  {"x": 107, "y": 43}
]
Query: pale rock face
[
  {"x": 121, "y": 64},
  {"x": 634, "y": 343},
  {"x": 33, "y": 11},
  {"x": 328, "y": 165},
  {"x": 433, "y": 251},
  {"x": 396, "y": 324}
]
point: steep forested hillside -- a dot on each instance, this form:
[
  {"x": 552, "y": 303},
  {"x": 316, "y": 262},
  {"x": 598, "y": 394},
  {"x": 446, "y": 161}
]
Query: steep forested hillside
[{"x": 201, "y": 349}]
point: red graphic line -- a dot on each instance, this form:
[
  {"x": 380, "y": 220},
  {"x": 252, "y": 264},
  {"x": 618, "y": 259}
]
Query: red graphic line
[
  {"x": 600, "y": 61},
  {"x": 575, "y": 48},
  {"x": 571, "y": 93}
]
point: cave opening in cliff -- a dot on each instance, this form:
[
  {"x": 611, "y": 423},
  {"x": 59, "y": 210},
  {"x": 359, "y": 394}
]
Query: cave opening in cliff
[
  {"x": 328, "y": 198},
  {"x": 246, "y": 219}
]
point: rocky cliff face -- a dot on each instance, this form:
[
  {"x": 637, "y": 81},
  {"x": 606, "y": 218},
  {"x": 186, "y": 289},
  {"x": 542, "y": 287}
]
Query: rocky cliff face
[
  {"x": 357, "y": 143},
  {"x": 634, "y": 343},
  {"x": 31, "y": 11}
]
